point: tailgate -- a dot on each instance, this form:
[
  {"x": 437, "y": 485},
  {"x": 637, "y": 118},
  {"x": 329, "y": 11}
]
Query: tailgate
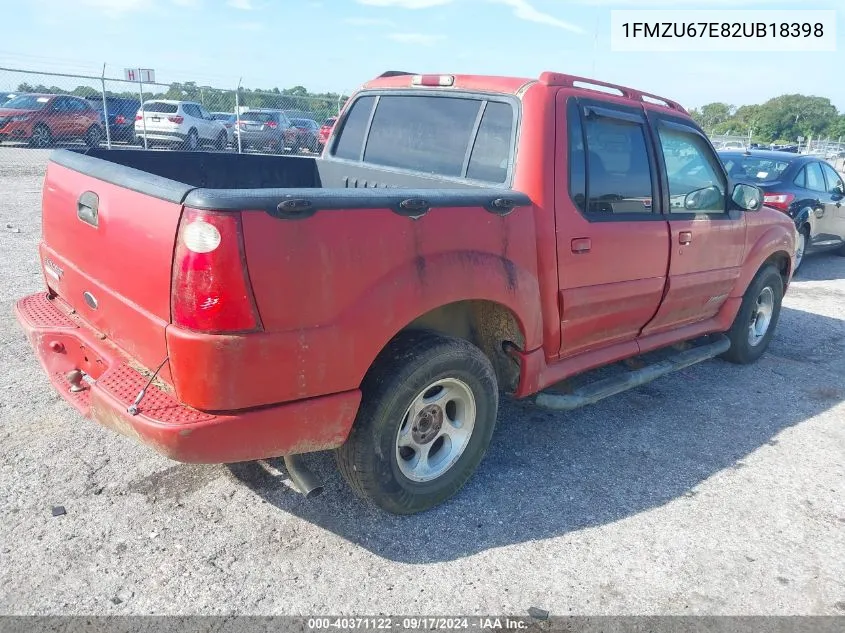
[{"x": 107, "y": 250}]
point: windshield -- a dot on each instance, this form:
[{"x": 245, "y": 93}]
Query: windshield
[
  {"x": 27, "y": 102},
  {"x": 754, "y": 169}
]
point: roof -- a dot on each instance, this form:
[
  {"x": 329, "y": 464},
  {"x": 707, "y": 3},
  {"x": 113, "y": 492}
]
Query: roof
[
  {"x": 769, "y": 154},
  {"x": 515, "y": 85}
]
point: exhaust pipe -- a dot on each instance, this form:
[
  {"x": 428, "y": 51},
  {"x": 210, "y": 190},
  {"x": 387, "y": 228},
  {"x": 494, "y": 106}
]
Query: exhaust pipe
[{"x": 302, "y": 477}]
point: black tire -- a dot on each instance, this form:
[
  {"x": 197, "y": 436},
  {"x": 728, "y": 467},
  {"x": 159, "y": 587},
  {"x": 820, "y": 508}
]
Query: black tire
[
  {"x": 804, "y": 231},
  {"x": 94, "y": 136},
  {"x": 41, "y": 136},
  {"x": 369, "y": 460},
  {"x": 192, "y": 141},
  {"x": 222, "y": 141},
  {"x": 743, "y": 351}
]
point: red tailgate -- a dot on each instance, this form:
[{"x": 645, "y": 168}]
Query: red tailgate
[{"x": 107, "y": 251}]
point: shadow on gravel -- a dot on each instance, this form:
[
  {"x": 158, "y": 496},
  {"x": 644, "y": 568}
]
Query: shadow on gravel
[
  {"x": 825, "y": 266},
  {"x": 550, "y": 473}
]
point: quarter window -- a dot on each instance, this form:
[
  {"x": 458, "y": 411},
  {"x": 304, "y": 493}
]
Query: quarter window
[{"x": 351, "y": 140}]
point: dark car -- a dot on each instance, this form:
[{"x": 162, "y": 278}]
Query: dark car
[
  {"x": 262, "y": 129},
  {"x": 304, "y": 135},
  {"x": 121, "y": 114},
  {"x": 809, "y": 190}
]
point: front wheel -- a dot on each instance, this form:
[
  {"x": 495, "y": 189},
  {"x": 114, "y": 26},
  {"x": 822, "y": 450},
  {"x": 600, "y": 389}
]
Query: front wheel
[
  {"x": 758, "y": 315},
  {"x": 427, "y": 414}
]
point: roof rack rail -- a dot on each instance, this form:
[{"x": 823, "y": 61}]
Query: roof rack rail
[
  {"x": 550, "y": 78},
  {"x": 395, "y": 73}
]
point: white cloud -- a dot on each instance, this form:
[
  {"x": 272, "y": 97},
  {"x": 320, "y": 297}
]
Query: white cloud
[
  {"x": 522, "y": 9},
  {"x": 369, "y": 22},
  {"x": 525, "y": 11},
  {"x": 243, "y": 5},
  {"x": 421, "y": 39},
  {"x": 406, "y": 4},
  {"x": 116, "y": 8}
]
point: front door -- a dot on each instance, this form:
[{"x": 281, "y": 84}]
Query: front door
[
  {"x": 707, "y": 235},
  {"x": 613, "y": 243}
]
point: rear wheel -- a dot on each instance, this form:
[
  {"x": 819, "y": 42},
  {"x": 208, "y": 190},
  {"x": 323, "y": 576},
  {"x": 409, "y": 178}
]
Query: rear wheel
[
  {"x": 427, "y": 415},
  {"x": 94, "y": 136},
  {"x": 801, "y": 245},
  {"x": 41, "y": 136},
  {"x": 757, "y": 318},
  {"x": 192, "y": 141},
  {"x": 222, "y": 141}
]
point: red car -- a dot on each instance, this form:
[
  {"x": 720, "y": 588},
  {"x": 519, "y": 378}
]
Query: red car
[
  {"x": 325, "y": 133},
  {"x": 464, "y": 236},
  {"x": 41, "y": 119}
]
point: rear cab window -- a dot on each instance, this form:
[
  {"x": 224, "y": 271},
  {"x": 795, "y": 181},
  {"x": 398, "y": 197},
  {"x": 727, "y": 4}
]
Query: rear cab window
[{"x": 453, "y": 135}]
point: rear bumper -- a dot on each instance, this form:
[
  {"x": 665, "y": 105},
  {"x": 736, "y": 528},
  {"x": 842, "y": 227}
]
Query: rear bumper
[{"x": 62, "y": 342}]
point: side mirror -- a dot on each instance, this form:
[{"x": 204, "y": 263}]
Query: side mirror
[
  {"x": 748, "y": 197},
  {"x": 839, "y": 189},
  {"x": 707, "y": 198}
]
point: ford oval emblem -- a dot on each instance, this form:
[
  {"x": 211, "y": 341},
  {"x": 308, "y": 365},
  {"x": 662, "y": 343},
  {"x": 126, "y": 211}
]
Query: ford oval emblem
[{"x": 90, "y": 300}]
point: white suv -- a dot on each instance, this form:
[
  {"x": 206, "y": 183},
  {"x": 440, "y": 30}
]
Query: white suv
[{"x": 183, "y": 123}]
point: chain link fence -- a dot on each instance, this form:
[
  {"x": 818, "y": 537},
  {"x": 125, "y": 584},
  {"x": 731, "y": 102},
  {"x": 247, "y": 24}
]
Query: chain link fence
[{"x": 42, "y": 110}]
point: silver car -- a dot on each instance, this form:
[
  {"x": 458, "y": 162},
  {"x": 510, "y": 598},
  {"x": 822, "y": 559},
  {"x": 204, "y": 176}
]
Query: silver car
[{"x": 264, "y": 129}]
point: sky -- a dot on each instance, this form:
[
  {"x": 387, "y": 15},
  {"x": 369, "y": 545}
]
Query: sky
[{"x": 335, "y": 45}]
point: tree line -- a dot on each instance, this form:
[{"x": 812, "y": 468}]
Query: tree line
[
  {"x": 779, "y": 120},
  {"x": 321, "y": 105}
]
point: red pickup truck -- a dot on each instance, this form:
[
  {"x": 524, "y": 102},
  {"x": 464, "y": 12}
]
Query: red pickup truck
[{"x": 461, "y": 236}]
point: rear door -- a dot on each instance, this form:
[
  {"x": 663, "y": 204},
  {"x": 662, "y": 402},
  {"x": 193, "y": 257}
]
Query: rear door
[
  {"x": 707, "y": 239},
  {"x": 834, "y": 203},
  {"x": 613, "y": 243},
  {"x": 60, "y": 118},
  {"x": 824, "y": 225}
]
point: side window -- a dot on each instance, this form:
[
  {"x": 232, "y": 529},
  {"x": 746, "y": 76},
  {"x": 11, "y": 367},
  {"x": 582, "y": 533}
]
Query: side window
[
  {"x": 60, "y": 105},
  {"x": 351, "y": 140},
  {"x": 696, "y": 184},
  {"x": 815, "y": 179},
  {"x": 618, "y": 170},
  {"x": 834, "y": 182},
  {"x": 801, "y": 179},
  {"x": 77, "y": 106},
  {"x": 205, "y": 114},
  {"x": 577, "y": 157},
  {"x": 489, "y": 160}
]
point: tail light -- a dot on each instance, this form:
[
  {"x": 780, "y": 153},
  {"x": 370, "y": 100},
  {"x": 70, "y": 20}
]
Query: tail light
[
  {"x": 779, "y": 201},
  {"x": 120, "y": 119},
  {"x": 139, "y": 117},
  {"x": 272, "y": 125},
  {"x": 211, "y": 290},
  {"x": 176, "y": 119}
]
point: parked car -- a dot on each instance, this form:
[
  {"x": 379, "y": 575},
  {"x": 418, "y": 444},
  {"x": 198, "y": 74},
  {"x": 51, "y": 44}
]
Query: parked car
[
  {"x": 41, "y": 119},
  {"x": 303, "y": 134},
  {"x": 805, "y": 188},
  {"x": 325, "y": 132},
  {"x": 121, "y": 114},
  {"x": 376, "y": 300},
  {"x": 183, "y": 123},
  {"x": 264, "y": 129},
  {"x": 229, "y": 121},
  {"x": 732, "y": 146},
  {"x": 6, "y": 97}
]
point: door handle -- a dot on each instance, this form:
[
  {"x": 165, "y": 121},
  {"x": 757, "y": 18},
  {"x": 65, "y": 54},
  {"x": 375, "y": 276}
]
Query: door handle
[
  {"x": 685, "y": 237},
  {"x": 580, "y": 245}
]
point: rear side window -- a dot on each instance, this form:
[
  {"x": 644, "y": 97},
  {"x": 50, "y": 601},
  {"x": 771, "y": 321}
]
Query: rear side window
[
  {"x": 447, "y": 136},
  {"x": 164, "y": 108},
  {"x": 618, "y": 169},
  {"x": 354, "y": 128}
]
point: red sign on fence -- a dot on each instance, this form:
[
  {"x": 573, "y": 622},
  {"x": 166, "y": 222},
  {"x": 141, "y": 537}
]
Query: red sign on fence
[{"x": 144, "y": 75}]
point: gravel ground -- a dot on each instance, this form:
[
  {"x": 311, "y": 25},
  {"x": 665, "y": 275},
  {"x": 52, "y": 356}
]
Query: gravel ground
[{"x": 717, "y": 490}]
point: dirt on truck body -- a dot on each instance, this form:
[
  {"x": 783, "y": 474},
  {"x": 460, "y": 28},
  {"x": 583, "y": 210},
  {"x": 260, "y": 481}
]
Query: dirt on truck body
[{"x": 461, "y": 236}]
